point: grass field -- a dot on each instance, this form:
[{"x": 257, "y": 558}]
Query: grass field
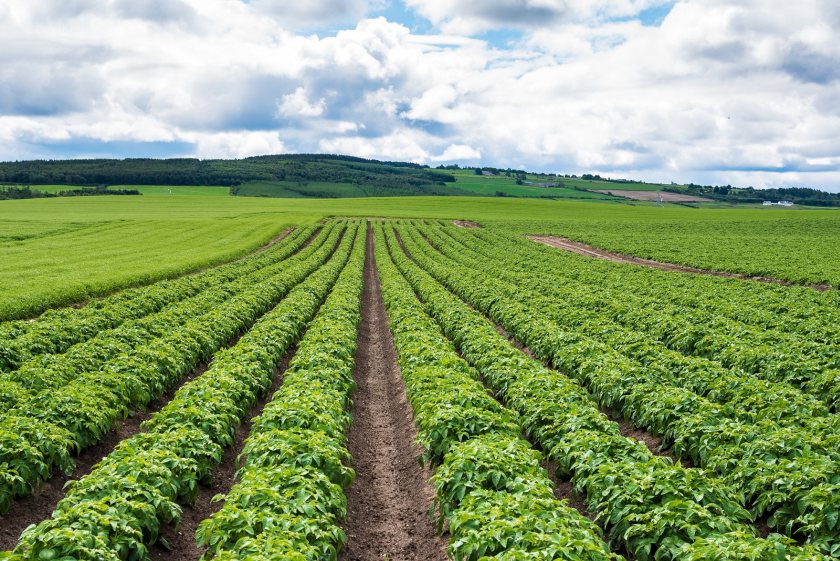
[
  {"x": 492, "y": 185},
  {"x": 535, "y": 185},
  {"x": 58, "y": 251}
]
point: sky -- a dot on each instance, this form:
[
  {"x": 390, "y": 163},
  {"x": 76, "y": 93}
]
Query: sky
[{"x": 740, "y": 92}]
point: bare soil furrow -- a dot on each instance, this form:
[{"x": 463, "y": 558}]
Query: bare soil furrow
[
  {"x": 466, "y": 224},
  {"x": 388, "y": 503},
  {"x": 181, "y": 540}
]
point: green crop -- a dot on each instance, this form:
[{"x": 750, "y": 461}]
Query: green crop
[
  {"x": 118, "y": 509},
  {"x": 657, "y": 509},
  {"x": 288, "y": 502},
  {"x": 490, "y": 486}
]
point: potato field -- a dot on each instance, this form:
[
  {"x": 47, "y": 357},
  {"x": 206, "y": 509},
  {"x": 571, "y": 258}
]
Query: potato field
[{"x": 417, "y": 389}]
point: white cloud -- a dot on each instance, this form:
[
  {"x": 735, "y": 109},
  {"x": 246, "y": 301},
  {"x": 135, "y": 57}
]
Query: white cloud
[
  {"x": 457, "y": 153},
  {"x": 297, "y": 105},
  {"x": 237, "y": 144},
  {"x": 316, "y": 13},
  {"x": 721, "y": 92},
  {"x": 398, "y": 146}
]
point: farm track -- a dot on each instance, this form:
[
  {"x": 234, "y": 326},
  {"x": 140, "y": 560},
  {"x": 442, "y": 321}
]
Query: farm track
[
  {"x": 389, "y": 501},
  {"x": 466, "y": 224},
  {"x": 181, "y": 540},
  {"x": 274, "y": 241},
  {"x": 597, "y": 253}
]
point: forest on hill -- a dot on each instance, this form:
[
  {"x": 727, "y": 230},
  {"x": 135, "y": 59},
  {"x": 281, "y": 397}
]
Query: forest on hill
[{"x": 296, "y": 169}]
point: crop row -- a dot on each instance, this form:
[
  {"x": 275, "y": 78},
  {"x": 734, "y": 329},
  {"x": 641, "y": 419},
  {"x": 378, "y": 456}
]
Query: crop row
[
  {"x": 752, "y": 400},
  {"x": 784, "y": 308},
  {"x": 44, "y": 431},
  {"x": 788, "y": 471},
  {"x": 289, "y": 500},
  {"x": 656, "y": 509},
  {"x": 52, "y": 371},
  {"x": 117, "y": 510},
  {"x": 749, "y": 400},
  {"x": 776, "y": 468},
  {"x": 776, "y": 356},
  {"x": 489, "y": 485},
  {"x": 57, "y": 330}
]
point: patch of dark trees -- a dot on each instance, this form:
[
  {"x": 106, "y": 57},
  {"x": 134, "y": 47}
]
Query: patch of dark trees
[
  {"x": 299, "y": 168},
  {"x": 727, "y": 193},
  {"x": 13, "y": 192}
]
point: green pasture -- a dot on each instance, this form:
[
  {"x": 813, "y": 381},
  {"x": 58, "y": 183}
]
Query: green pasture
[
  {"x": 501, "y": 185},
  {"x": 536, "y": 185}
]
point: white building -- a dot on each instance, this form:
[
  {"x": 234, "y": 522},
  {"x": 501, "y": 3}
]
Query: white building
[{"x": 780, "y": 203}]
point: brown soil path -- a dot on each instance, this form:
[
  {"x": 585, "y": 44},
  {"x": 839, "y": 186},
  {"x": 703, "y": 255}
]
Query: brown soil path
[
  {"x": 389, "y": 501},
  {"x": 590, "y": 251},
  {"x": 466, "y": 224}
]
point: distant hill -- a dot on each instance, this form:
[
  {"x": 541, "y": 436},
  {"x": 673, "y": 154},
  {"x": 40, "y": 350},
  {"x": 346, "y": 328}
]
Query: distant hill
[{"x": 301, "y": 174}]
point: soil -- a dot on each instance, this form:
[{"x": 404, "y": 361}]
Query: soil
[
  {"x": 653, "y": 443},
  {"x": 590, "y": 251},
  {"x": 181, "y": 540},
  {"x": 388, "y": 503},
  {"x": 513, "y": 341},
  {"x": 466, "y": 224},
  {"x": 563, "y": 490},
  {"x": 664, "y": 196}
]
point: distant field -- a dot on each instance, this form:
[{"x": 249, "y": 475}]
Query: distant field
[
  {"x": 58, "y": 251},
  {"x": 535, "y": 185},
  {"x": 283, "y": 189},
  {"x": 468, "y": 183},
  {"x": 328, "y": 190},
  {"x": 493, "y": 185}
]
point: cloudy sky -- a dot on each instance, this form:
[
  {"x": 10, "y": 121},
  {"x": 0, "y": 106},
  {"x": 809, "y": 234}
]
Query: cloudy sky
[{"x": 745, "y": 92}]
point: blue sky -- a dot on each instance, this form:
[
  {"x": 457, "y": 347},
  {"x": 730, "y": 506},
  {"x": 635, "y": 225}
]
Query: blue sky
[{"x": 708, "y": 91}]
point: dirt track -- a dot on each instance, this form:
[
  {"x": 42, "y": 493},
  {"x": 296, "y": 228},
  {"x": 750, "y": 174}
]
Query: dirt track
[
  {"x": 389, "y": 501},
  {"x": 466, "y": 224},
  {"x": 590, "y": 251},
  {"x": 664, "y": 196}
]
